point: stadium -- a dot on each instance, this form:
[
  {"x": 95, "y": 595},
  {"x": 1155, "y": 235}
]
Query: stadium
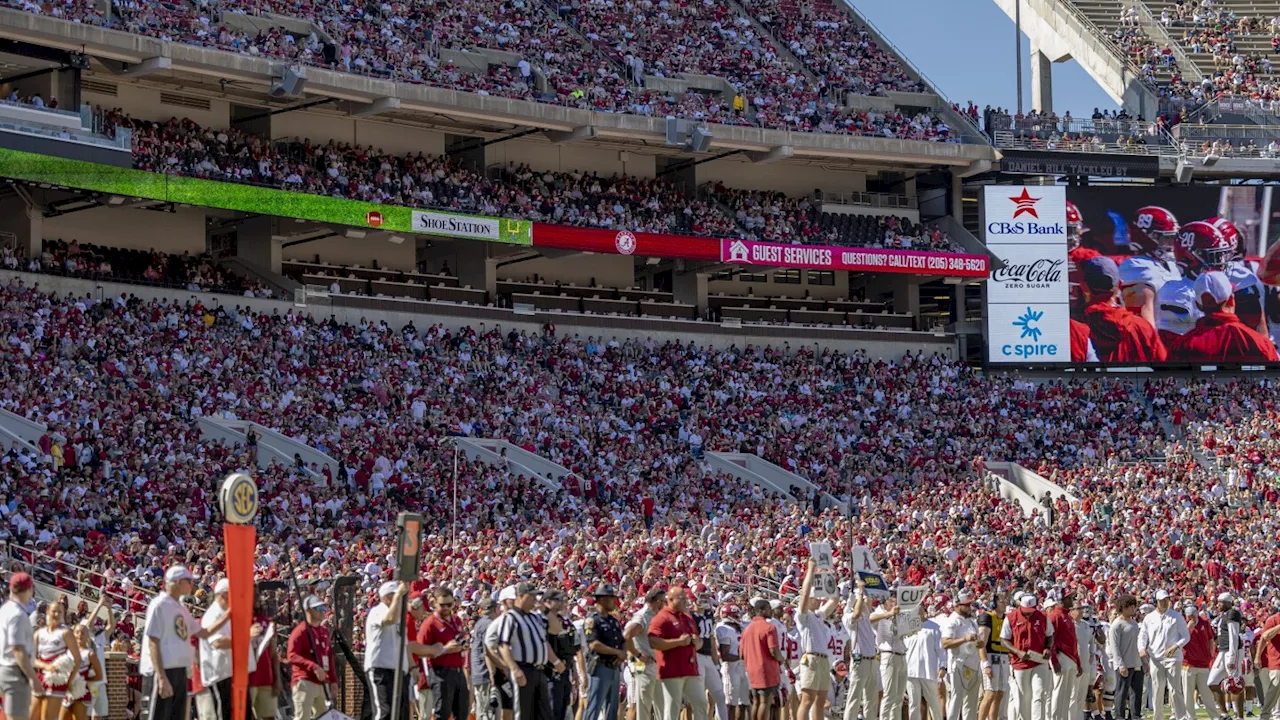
[{"x": 531, "y": 359}]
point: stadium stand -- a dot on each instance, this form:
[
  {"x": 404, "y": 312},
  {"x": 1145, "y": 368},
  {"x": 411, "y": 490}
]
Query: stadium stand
[{"x": 584, "y": 59}]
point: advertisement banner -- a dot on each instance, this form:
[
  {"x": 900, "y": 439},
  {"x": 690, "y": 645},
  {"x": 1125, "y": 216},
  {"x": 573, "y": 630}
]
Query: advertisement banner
[
  {"x": 1028, "y": 307},
  {"x": 513, "y": 232},
  {"x": 128, "y": 182},
  {"x": 819, "y": 257},
  {"x": 1118, "y": 288}
]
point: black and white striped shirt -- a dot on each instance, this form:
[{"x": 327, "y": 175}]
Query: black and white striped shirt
[{"x": 526, "y": 635}]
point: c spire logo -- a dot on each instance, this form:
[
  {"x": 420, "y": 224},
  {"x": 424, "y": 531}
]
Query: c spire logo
[
  {"x": 1025, "y": 204},
  {"x": 1027, "y": 321}
]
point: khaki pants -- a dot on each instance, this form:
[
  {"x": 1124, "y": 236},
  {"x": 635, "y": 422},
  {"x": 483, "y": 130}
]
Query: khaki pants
[
  {"x": 893, "y": 676},
  {"x": 1032, "y": 693},
  {"x": 1270, "y": 694},
  {"x": 1195, "y": 681},
  {"x": 1167, "y": 673},
  {"x": 864, "y": 686},
  {"x": 1068, "y": 698},
  {"x": 205, "y": 709},
  {"x": 919, "y": 690},
  {"x": 965, "y": 685},
  {"x": 677, "y": 691},
  {"x": 643, "y": 692},
  {"x": 425, "y": 701},
  {"x": 263, "y": 702},
  {"x": 308, "y": 700}
]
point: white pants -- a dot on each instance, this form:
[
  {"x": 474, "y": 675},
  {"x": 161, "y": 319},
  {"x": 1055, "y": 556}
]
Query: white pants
[
  {"x": 715, "y": 688},
  {"x": 676, "y": 691},
  {"x": 893, "y": 680},
  {"x": 926, "y": 690},
  {"x": 1219, "y": 672},
  {"x": 736, "y": 687},
  {"x": 1195, "y": 681},
  {"x": 965, "y": 691},
  {"x": 864, "y": 686},
  {"x": 1068, "y": 698},
  {"x": 1167, "y": 673},
  {"x": 1032, "y": 693}
]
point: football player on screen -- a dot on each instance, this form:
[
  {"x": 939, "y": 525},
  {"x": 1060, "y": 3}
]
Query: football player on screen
[
  {"x": 1152, "y": 235},
  {"x": 1201, "y": 248}
]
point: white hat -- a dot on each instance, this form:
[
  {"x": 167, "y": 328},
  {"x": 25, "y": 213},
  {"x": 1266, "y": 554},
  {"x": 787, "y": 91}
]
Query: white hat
[
  {"x": 1027, "y": 600},
  {"x": 752, "y": 602},
  {"x": 508, "y": 593},
  {"x": 222, "y": 587},
  {"x": 1213, "y": 284},
  {"x": 964, "y": 597},
  {"x": 176, "y": 573},
  {"x": 1162, "y": 594},
  {"x": 1050, "y": 602},
  {"x": 388, "y": 588},
  {"x": 775, "y": 604},
  {"x": 1225, "y": 597}
]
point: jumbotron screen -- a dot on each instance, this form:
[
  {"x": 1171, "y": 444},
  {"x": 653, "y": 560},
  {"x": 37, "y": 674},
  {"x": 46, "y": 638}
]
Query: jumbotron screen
[{"x": 1132, "y": 276}]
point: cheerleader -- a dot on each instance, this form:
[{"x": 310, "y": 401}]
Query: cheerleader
[
  {"x": 77, "y": 708},
  {"x": 54, "y": 642}
]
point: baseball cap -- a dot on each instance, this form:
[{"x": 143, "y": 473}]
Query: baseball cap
[
  {"x": 526, "y": 588},
  {"x": 176, "y": 573},
  {"x": 605, "y": 590},
  {"x": 1162, "y": 595},
  {"x": 486, "y": 604},
  {"x": 20, "y": 582},
  {"x": 655, "y": 595},
  {"x": 775, "y": 604},
  {"x": 313, "y": 602},
  {"x": 1226, "y": 596},
  {"x": 388, "y": 588},
  {"x": 508, "y": 593},
  {"x": 553, "y": 595},
  {"x": 1027, "y": 600},
  {"x": 755, "y": 599},
  {"x": 964, "y": 597},
  {"x": 1100, "y": 273},
  {"x": 222, "y": 587},
  {"x": 1212, "y": 288}
]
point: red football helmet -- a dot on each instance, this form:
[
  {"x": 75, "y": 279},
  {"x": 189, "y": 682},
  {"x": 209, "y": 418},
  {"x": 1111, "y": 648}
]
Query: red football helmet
[
  {"x": 1157, "y": 231},
  {"x": 1075, "y": 226},
  {"x": 1201, "y": 248},
  {"x": 1233, "y": 685},
  {"x": 1230, "y": 232}
]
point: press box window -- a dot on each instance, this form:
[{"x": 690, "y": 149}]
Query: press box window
[
  {"x": 822, "y": 277},
  {"x": 787, "y": 277}
]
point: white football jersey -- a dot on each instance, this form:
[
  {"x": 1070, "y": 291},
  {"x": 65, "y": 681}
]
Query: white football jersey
[
  {"x": 1176, "y": 309},
  {"x": 728, "y": 635},
  {"x": 1142, "y": 269}
]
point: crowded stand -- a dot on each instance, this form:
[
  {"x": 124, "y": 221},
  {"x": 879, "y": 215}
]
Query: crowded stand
[
  {"x": 591, "y": 56},
  {"x": 183, "y": 147},
  {"x": 120, "y": 487}
]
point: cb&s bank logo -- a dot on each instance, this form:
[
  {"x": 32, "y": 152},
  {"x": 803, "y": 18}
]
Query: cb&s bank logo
[
  {"x": 1023, "y": 206},
  {"x": 1028, "y": 344}
]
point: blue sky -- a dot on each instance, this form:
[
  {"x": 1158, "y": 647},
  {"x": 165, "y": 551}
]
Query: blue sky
[{"x": 966, "y": 47}]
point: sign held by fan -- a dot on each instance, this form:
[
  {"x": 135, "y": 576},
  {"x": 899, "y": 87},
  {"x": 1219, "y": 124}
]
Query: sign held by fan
[{"x": 864, "y": 564}]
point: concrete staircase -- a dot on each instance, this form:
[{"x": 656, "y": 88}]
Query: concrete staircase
[
  {"x": 516, "y": 459},
  {"x": 272, "y": 445},
  {"x": 1025, "y": 487},
  {"x": 760, "y": 472},
  {"x": 19, "y": 432}
]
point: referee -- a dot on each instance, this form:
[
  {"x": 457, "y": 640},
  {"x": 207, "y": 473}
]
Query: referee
[{"x": 527, "y": 654}]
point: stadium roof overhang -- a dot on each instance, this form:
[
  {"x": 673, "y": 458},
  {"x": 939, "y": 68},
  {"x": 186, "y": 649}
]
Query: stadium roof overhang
[{"x": 247, "y": 79}]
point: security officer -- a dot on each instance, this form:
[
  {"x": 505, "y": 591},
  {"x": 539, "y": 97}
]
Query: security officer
[
  {"x": 606, "y": 651},
  {"x": 565, "y": 646}
]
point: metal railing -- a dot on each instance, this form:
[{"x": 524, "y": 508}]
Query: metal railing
[
  {"x": 870, "y": 199},
  {"x": 86, "y": 583}
]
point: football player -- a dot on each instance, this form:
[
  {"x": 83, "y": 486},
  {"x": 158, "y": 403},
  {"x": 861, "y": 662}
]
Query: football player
[
  {"x": 1076, "y": 254},
  {"x": 1153, "y": 235},
  {"x": 1243, "y": 273},
  {"x": 1201, "y": 247}
]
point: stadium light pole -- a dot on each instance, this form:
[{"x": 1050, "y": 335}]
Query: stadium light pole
[{"x": 1017, "y": 43}]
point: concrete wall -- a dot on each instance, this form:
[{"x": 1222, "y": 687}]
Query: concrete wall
[
  {"x": 178, "y": 232},
  {"x": 343, "y": 250},
  {"x": 142, "y": 102},
  {"x": 736, "y": 171},
  {"x": 769, "y": 288},
  {"x": 616, "y": 271}
]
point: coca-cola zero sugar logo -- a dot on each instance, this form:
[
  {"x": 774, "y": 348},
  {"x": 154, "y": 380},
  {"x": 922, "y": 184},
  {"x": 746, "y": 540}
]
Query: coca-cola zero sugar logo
[{"x": 1038, "y": 274}]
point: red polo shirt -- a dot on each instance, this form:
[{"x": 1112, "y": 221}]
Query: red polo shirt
[
  {"x": 676, "y": 662},
  {"x": 1198, "y": 652},
  {"x": 1271, "y": 651},
  {"x": 757, "y": 643},
  {"x": 436, "y": 630}
]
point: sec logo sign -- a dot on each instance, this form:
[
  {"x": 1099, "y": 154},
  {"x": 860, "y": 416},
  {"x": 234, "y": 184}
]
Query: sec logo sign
[{"x": 239, "y": 498}]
